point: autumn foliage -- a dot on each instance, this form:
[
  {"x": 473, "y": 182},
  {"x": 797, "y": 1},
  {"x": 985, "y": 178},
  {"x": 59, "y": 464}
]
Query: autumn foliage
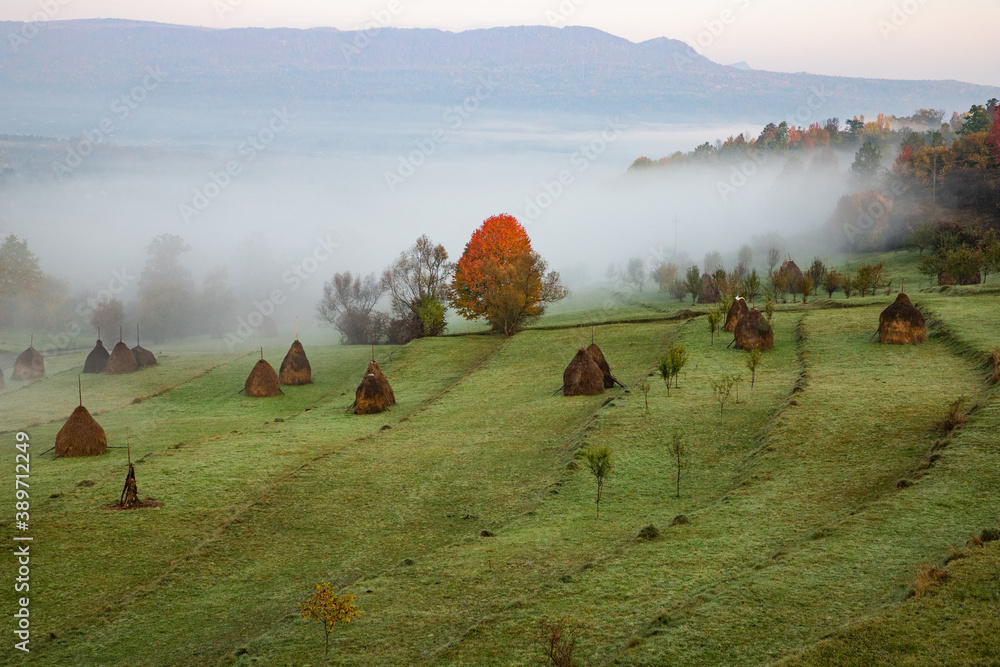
[
  {"x": 501, "y": 279},
  {"x": 326, "y": 607}
]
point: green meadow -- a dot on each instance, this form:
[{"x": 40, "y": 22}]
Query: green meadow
[{"x": 466, "y": 515}]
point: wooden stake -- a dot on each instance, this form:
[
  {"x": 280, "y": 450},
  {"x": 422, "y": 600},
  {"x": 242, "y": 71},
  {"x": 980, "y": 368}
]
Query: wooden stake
[
  {"x": 98, "y": 333},
  {"x": 121, "y": 335},
  {"x": 128, "y": 448},
  {"x": 79, "y": 386},
  {"x": 262, "y": 353},
  {"x": 296, "y": 327},
  {"x": 137, "y": 334}
]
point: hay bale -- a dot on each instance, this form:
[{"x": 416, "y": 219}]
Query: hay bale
[
  {"x": 794, "y": 273},
  {"x": 295, "y": 369},
  {"x": 97, "y": 359},
  {"x": 370, "y": 397},
  {"x": 901, "y": 323},
  {"x": 143, "y": 357},
  {"x": 262, "y": 381},
  {"x": 609, "y": 379},
  {"x": 709, "y": 290},
  {"x": 376, "y": 370},
  {"x": 736, "y": 312},
  {"x": 121, "y": 360},
  {"x": 29, "y": 365},
  {"x": 81, "y": 435},
  {"x": 753, "y": 332},
  {"x": 583, "y": 377}
]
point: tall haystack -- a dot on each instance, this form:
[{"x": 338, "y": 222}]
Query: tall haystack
[
  {"x": 709, "y": 290},
  {"x": 736, "y": 313},
  {"x": 98, "y": 357},
  {"x": 371, "y": 397},
  {"x": 262, "y": 381},
  {"x": 753, "y": 332},
  {"x": 901, "y": 323},
  {"x": 295, "y": 369},
  {"x": 81, "y": 435},
  {"x": 29, "y": 365},
  {"x": 791, "y": 269},
  {"x": 143, "y": 357},
  {"x": 583, "y": 377},
  {"x": 609, "y": 379}
]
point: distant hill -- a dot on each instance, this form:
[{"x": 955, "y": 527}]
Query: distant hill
[{"x": 535, "y": 68}]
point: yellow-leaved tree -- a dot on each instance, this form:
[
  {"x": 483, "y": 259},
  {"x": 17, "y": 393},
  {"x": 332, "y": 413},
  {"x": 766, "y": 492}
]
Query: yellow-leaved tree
[{"x": 326, "y": 607}]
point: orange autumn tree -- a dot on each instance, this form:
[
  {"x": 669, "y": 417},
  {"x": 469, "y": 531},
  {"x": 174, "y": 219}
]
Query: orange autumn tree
[{"x": 501, "y": 279}]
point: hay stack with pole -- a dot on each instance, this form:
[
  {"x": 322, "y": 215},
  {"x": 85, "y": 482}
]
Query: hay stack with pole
[
  {"x": 121, "y": 360},
  {"x": 81, "y": 435},
  {"x": 736, "y": 313},
  {"x": 583, "y": 377},
  {"x": 794, "y": 273},
  {"x": 98, "y": 357},
  {"x": 295, "y": 369},
  {"x": 143, "y": 357},
  {"x": 374, "y": 395},
  {"x": 376, "y": 370},
  {"x": 262, "y": 381},
  {"x": 753, "y": 332},
  {"x": 901, "y": 323},
  {"x": 29, "y": 365}
]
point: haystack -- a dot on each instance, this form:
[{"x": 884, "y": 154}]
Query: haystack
[
  {"x": 609, "y": 380},
  {"x": 29, "y": 365},
  {"x": 143, "y": 357},
  {"x": 753, "y": 332},
  {"x": 709, "y": 290},
  {"x": 295, "y": 369},
  {"x": 98, "y": 357},
  {"x": 262, "y": 381},
  {"x": 371, "y": 397},
  {"x": 81, "y": 435},
  {"x": 901, "y": 323},
  {"x": 376, "y": 370},
  {"x": 736, "y": 313},
  {"x": 789, "y": 268},
  {"x": 121, "y": 360},
  {"x": 583, "y": 377}
]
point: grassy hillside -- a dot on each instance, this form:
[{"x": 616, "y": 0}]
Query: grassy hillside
[{"x": 466, "y": 514}]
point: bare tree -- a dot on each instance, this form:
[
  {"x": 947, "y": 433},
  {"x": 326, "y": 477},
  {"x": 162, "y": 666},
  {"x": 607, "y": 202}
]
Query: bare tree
[
  {"x": 635, "y": 272},
  {"x": 744, "y": 259},
  {"x": 417, "y": 282},
  {"x": 348, "y": 304}
]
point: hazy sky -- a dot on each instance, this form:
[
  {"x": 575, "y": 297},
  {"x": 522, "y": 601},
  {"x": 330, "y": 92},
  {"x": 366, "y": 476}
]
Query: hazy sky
[{"x": 911, "y": 39}]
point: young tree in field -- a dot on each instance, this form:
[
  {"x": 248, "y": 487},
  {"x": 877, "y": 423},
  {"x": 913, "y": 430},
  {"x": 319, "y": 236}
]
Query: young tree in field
[
  {"x": 501, "y": 279},
  {"x": 847, "y": 283},
  {"x": 817, "y": 272},
  {"x": 723, "y": 389},
  {"x": 348, "y": 304},
  {"x": 693, "y": 283},
  {"x": 753, "y": 362},
  {"x": 832, "y": 282},
  {"x": 780, "y": 280},
  {"x": 324, "y": 606},
  {"x": 20, "y": 273},
  {"x": 677, "y": 452},
  {"x": 678, "y": 290},
  {"x": 644, "y": 388},
  {"x": 417, "y": 282},
  {"x": 806, "y": 287},
  {"x": 769, "y": 308},
  {"x": 611, "y": 272},
  {"x": 713, "y": 323},
  {"x": 678, "y": 359},
  {"x": 664, "y": 275},
  {"x": 751, "y": 287},
  {"x": 635, "y": 272},
  {"x": 558, "y": 640},
  {"x": 922, "y": 236},
  {"x": 666, "y": 367},
  {"x": 601, "y": 466}
]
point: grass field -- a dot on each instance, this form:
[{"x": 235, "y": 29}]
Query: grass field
[{"x": 466, "y": 515}]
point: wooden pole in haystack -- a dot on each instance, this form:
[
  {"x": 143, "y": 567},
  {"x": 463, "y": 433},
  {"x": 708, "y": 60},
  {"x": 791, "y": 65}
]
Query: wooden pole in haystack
[
  {"x": 130, "y": 494},
  {"x": 79, "y": 388}
]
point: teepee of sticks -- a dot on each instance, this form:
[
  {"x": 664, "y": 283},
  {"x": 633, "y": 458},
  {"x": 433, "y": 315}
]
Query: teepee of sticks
[{"x": 130, "y": 494}]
